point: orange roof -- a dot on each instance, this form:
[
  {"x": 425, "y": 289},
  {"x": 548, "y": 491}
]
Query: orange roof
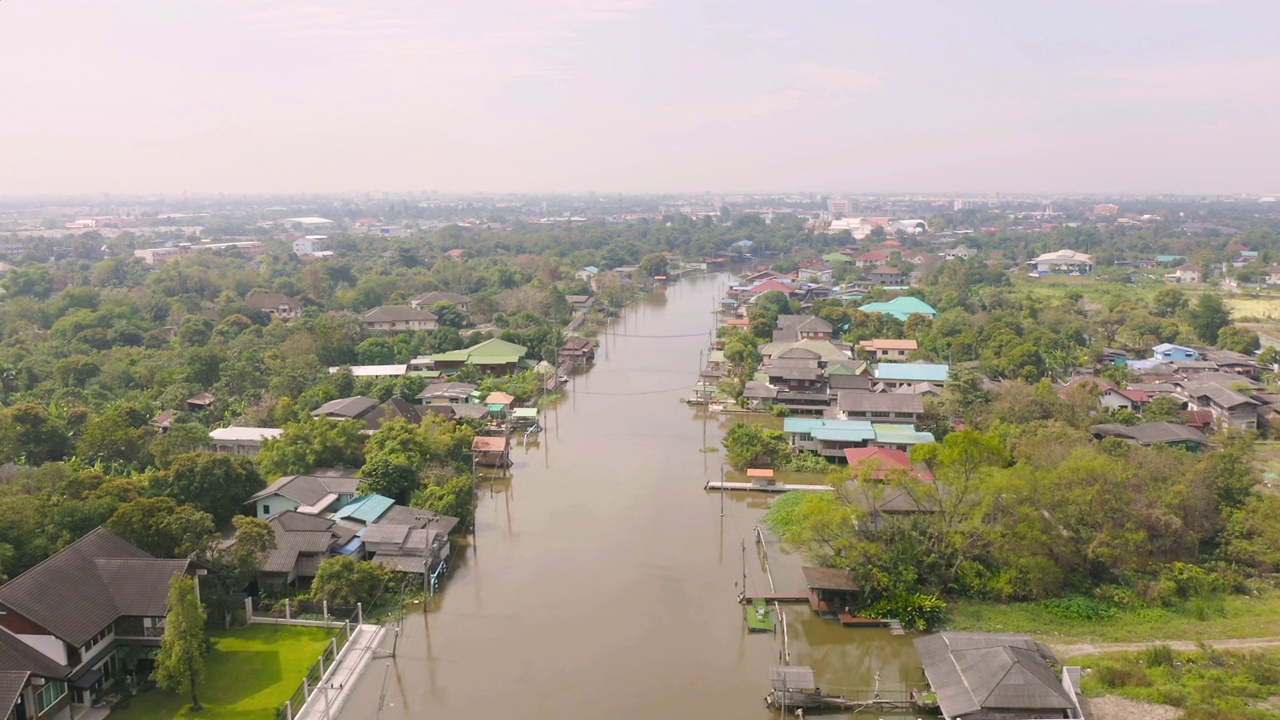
[
  {"x": 759, "y": 472},
  {"x": 889, "y": 344},
  {"x": 881, "y": 461},
  {"x": 499, "y": 398}
]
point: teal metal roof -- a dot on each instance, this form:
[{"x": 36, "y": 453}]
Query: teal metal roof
[
  {"x": 833, "y": 430},
  {"x": 900, "y": 434},
  {"x": 913, "y": 372},
  {"x": 901, "y": 307},
  {"x": 366, "y": 509}
]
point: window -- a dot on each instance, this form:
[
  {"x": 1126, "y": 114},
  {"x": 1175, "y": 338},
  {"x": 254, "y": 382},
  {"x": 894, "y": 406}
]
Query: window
[
  {"x": 51, "y": 693},
  {"x": 266, "y": 510},
  {"x": 879, "y": 414},
  {"x": 93, "y": 642}
]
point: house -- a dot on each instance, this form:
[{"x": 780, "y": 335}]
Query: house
[
  {"x": 959, "y": 251},
  {"x": 831, "y": 591},
  {"x": 587, "y": 273},
  {"x": 830, "y": 438},
  {"x": 1062, "y": 261},
  {"x": 1234, "y": 363},
  {"x": 163, "y": 421},
  {"x": 873, "y": 258},
  {"x": 275, "y": 304},
  {"x": 996, "y": 676},
  {"x": 759, "y": 395},
  {"x": 879, "y": 407},
  {"x": 77, "y": 612},
  {"x": 302, "y": 543},
  {"x": 401, "y": 538},
  {"x": 826, "y": 350},
  {"x": 398, "y": 319},
  {"x": 1230, "y": 409},
  {"x": 902, "y": 308},
  {"x": 1110, "y": 396},
  {"x": 492, "y": 451},
  {"x": 887, "y": 276},
  {"x": 200, "y": 401},
  {"x": 373, "y": 371},
  {"x": 309, "y": 245},
  {"x": 792, "y": 328},
  {"x": 318, "y": 492},
  {"x": 1273, "y": 275},
  {"x": 390, "y": 409},
  {"x": 889, "y": 349},
  {"x": 446, "y": 393},
  {"x": 818, "y": 273},
  {"x": 499, "y": 403},
  {"x": 580, "y": 303},
  {"x": 895, "y": 375},
  {"x": 1167, "y": 352},
  {"x": 578, "y": 350},
  {"x": 431, "y": 299},
  {"x": 1187, "y": 274},
  {"x": 493, "y": 357},
  {"x": 1158, "y": 433},
  {"x": 350, "y": 408},
  {"x": 241, "y": 440}
]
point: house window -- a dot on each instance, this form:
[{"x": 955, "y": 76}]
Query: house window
[
  {"x": 51, "y": 693},
  {"x": 879, "y": 414},
  {"x": 266, "y": 510}
]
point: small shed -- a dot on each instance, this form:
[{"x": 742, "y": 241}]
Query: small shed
[
  {"x": 200, "y": 401},
  {"x": 792, "y": 677},
  {"x": 831, "y": 590},
  {"x": 761, "y": 477},
  {"x": 492, "y": 451}
]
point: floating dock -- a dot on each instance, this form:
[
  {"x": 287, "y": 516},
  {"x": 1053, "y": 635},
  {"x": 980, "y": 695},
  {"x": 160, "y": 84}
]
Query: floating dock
[
  {"x": 761, "y": 487},
  {"x": 759, "y": 616},
  {"x": 773, "y": 597}
]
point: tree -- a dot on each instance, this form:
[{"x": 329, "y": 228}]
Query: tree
[
  {"x": 448, "y": 315},
  {"x": 1163, "y": 408},
  {"x": 162, "y": 527},
  {"x": 1168, "y": 302},
  {"x": 1208, "y": 316},
  {"x": 113, "y": 439},
  {"x": 376, "y": 351},
  {"x": 454, "y": 497},
  {"x": 232, "y": 567},
  {"x": 394, "y": 476},
  {"x": 755, "y": 446},
  {"x": 180, "y": 662},
  {"x": 1238, "y": 339},
  {"x": 28, "y": 433},
  {"x": 213, "y": 482},
  {"x": 344, "y": 581},
  {"x": 312, "y": 443},
  {"x": 654, "y": 264}
]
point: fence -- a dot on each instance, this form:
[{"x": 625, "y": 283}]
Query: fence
[
  {"x": 315, "y": 674},
  {"x": 292, "y": 611}
]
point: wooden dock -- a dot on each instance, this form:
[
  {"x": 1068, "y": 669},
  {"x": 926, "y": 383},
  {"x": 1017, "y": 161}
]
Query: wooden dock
[
  {"x": 773, "y": 597},
  {"x": 759, "y": 487}
]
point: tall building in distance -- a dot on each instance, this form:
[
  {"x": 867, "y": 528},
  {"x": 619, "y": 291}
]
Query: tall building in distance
[{"x": 839, "y": 206}]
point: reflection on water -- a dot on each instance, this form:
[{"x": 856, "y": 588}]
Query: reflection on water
[{"x": 602, "y": 579}]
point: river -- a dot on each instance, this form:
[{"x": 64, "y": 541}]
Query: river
[{"x": 602, "y": 579}]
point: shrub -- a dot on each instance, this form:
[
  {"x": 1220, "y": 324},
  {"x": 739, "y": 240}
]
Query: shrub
[
  {"x": 1075, "y": 607},
  {"x": 1116, "y": 676},
  {"x": 916, "y": 611},
  {"x": 1159, "y": 656}
]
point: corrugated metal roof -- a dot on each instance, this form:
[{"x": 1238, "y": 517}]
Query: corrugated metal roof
[
  {"x": 366, "y": 509},
  {"x": 915, "y": 372},
  {"x": 970, "y": 672}
]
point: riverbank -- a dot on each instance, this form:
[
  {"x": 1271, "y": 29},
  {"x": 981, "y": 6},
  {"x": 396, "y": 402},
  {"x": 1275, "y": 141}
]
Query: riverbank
[{"x": 1238, "y": 616}]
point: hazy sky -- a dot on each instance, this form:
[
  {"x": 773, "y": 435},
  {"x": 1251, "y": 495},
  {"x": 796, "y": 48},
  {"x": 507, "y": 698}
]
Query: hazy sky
[{"x": 639, "y": 95}]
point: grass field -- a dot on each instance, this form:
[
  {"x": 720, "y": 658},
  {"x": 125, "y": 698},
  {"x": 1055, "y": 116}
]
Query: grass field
[
  {"x": 250, "y": 672},
  {"x": 1237, "y": 617},
  {"x": 1260, "y": 307},
  {"x": 1203, "y": 684}
]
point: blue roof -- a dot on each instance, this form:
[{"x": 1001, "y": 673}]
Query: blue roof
[
  {"x": 352, "y": 547},
  {"x": 1169, "y": 258},
  {"x": 901, "y": 307},
  {"x": 366, "y": 509},
  {"x": 834, "y": 430},
  {"x": 592, "y": 269},
  {"x": 914, "y": 372}
]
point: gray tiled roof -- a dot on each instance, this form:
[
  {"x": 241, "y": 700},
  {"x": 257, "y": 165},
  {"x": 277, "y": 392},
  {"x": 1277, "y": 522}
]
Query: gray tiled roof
[
  {"x": 309, "y": 489},
  {"x": 858, "y": 401},
  {"x": 11, "y": 685},
  {"x": 970, "y": 672},
  {"x": 289, "y": 545},
  {"x": 17, "y": 656},
  {"x": 96, "y": 579},
  {"x": 397, "y": 313},
  {"x": 351, "y": 407}
]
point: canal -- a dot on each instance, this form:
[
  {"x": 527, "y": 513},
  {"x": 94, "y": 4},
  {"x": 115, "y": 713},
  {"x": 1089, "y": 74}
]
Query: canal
[{"x": 602, "y": 580}]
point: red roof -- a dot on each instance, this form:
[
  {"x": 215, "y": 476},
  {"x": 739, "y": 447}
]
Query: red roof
[
  {"x": 1135, "y": 396},
  {"x": 770, "y": 286},
  {"x": 873, "y": 256},
  {"x": 1199, "y": 419},
  {"x": 881, "y": 461},
  {"x": 886, "y": 270}
]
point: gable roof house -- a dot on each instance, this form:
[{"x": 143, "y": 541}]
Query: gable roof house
[
  {"x": 494, "y": 357},
  {"x": 1062, "y": 261},
  {"x": 398, "y": 319},
  {"x": 276, "y": 304},
  {"x": 1168, "y": 352},
  {"x": 1157, "y": 433},
  {"x": 429, "y": 300},
  {"x": 879, "y": 407},
  {"x": 241, "y": 440},
  {"x": 355, "y": 407},
  {"x": 312, "y": 494},
  {"x": 78, "y": 607},
  {"x": 887, "y": 275},
  {"x": 302, "y": 543},
  {"x": 996, "y": 676},
  {"x": 1110, "y": 396},
  {"x": 902, "y": 308},
  {"x": 873, "y": 258},
  {"x": 793, "y": 328},
  {"x": 1230, "y": 409},
  {"x": 889, "y": 349},
  {"x": 446, "y": 393}
]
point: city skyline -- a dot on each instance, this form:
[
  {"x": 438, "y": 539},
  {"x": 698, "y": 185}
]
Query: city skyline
[{"x": 639, "y": 96}]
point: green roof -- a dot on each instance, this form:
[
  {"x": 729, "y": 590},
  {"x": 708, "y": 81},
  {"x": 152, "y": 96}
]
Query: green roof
[
  {"x": 525, "y": 412},
  {"x": 366, "y": 509},
  {"x": 489, "y": 352}
]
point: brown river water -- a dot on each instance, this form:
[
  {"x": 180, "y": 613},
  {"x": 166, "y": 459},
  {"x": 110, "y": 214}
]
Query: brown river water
[{"x": 602, "y": 580}]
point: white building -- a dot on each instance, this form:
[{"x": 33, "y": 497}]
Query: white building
[
  {"x": 309, "y": 245},
  {"x": 1063, "y": 261}
]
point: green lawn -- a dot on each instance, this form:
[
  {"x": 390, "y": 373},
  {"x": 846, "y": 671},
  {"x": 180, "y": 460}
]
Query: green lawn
[
  {"x": 1213, "y": 684},
  {"x": 1237, "y": 617},
  {"x": 250, "y": 673}
]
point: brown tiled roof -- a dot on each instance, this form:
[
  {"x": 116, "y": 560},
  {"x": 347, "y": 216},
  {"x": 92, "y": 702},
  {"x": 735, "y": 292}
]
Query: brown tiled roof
[
  {"x": 270, "y": 301},
  {"x": 829, "y": 579},
  {"x": 11, "y": 686},
  {"x": 397, "y": 313},
  {"x": 485, "y": 443},
  {"x": 95, "y": 580},
  {"x": 19, "y": 657}
]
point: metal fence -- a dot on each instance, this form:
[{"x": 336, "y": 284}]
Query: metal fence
[
  {"x": 289, "y": 609},
  {"x": 315, "y": 674}
]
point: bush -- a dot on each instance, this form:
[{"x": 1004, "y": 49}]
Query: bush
[
  {"x": 916, "y": 611},
  {"x": 780, "y": 411},
  {"x": 1075, "y": 607},
  {"x": 1159, "y": 656},
  {"x": 1116, "y": 676}
]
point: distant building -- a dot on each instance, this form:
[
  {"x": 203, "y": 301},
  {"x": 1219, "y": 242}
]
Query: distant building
[
  {"x": 241, "y": 440},
  {"x": 1187, "y": 274},
  {"x": 889, "y": 349},
  {"x": 152, "y": 256},
  {"x": 274, "y": 303},
  {"x": 429, "y": 300},
  {"x": 902, "y": 308},
  {"x": 839, "y": 206},
  {"x": 1106, "y": 209},
  {"x": 309, "y": 245},
  {"x": 398, "y": 319},
  {"x": 1063, "y": 261}
]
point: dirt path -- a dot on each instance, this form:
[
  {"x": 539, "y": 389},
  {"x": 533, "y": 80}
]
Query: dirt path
[{"x": 1066, "y": 651}]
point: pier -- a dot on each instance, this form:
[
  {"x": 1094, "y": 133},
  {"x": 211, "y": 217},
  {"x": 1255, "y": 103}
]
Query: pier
[{"x": 761, "y": 487}]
